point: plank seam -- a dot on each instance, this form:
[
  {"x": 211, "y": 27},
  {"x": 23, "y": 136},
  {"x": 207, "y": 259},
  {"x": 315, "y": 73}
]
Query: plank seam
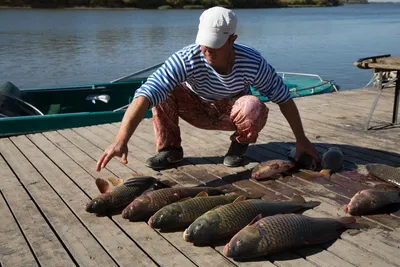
[{"x": 41, "y": 213}]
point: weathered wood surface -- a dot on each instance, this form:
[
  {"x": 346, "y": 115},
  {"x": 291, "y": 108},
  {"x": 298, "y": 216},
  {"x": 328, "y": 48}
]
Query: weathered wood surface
[{"x": 47, "y": 178}]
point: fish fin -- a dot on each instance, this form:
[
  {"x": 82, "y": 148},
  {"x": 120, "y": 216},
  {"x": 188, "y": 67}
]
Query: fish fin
[
  {"x": 183, "y": 199},
  {"x": 115, "y": 181},
  {"x": 308, "y": 205},
  {"x": 239, "y": 199},
  {"x": 326, "y": 172},
  {"x": 346, "y": 208},
  {"x": 102, "y": 185},
  {"x": 351, "y": 223},
  {"x": 202, "y": 194},
  {"x": 324, "y": 237},
  {"x": 256, "y": 219},
  {"x": 297, "y": 199}
]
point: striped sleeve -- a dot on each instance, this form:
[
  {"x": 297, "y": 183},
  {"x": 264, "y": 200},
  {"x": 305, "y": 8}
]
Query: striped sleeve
[
  {"x": 270, "y": 84},
  {"x": 159, "y": 84}
]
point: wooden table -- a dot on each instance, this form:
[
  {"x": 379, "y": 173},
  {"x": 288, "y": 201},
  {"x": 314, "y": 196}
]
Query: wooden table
[{"x": 380, "y": 64}]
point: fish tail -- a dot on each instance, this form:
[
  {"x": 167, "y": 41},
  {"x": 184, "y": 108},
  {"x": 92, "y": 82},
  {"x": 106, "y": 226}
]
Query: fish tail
[
  {"x": 351, "y": 223},
  {"x": 307, "y": 206},
  {"x": 311, "y": 204}
]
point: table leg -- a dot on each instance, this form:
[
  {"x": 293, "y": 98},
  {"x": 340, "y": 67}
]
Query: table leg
[
  {"x": 378, "y": 95},
  {"x": 396, "y": 99}
]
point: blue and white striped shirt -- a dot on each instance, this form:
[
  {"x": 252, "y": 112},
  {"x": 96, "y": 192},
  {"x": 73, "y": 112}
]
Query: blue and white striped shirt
[{"x": 189, "y": 65}]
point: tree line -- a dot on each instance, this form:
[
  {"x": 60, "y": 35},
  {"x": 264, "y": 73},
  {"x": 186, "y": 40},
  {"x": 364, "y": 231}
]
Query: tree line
[{"x": 164, "y": 4}]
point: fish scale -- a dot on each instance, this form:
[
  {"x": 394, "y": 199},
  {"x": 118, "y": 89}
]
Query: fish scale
[
  {"x": 285, "y": 231},
  {"x": 384, "y": 172},
  {"x": 170, "y": 195},
  {"x": 227, "y": 220},
  {"x": 297, "y": 230},
  {"x": 183, "y": 213},
  {"x": 147, "y": 204},
  {"x": 190, "y": 209}
]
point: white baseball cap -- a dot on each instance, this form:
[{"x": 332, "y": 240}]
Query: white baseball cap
[{"x": 216, "y": 25}]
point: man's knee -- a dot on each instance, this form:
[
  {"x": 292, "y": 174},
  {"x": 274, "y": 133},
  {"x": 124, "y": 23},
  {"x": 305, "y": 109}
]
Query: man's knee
[{"x": 250, "y": 108}]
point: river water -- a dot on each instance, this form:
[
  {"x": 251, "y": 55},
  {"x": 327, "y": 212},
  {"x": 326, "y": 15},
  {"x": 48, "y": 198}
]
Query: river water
[{"x": 62, "y": 47}]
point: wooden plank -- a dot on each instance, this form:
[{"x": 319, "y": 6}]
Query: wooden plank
[
  {"x": 158, "y": 248},
  {"x": 114, "y": 241},
  {"x": 390, "y": 253},
  {"x": 323, "y": 258},
  {"x": 358, "y": 254},
  {"x": 79, "y": 242},
  {"x": 42, "y": 240},
  {"x": 341, "y": 129},
  {"x": 371, "y": 149},
  {"x": 288, "y": 259},
  {"x": 319, "y": 120},
  {"x": 14, "y": 249}
]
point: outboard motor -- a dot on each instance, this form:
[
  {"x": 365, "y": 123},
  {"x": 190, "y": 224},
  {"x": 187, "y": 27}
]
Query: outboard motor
[{"x": 11, "y": 105}]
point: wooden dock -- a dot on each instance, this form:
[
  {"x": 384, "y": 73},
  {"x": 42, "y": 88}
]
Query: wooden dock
[{"x": 47, "y": 179}]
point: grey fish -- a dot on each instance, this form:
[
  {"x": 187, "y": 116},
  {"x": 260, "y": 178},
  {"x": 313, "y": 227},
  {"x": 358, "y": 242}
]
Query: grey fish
[
  {"x": 304, "y": 161},
  {"x": 227, "y": 220},
  {"x": 371, "y": 200},
  {"x": 332, "y": 160},
  {"x": 143, "y": 207},
  {"x": 119, "y": 196},
  {"x": 385, "y": 172},
  {"x": 181, "y": 214},
  {"x": 268, "y": 235}
]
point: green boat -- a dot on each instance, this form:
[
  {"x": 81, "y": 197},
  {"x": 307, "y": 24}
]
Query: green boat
[{"x": 34, "y": 110}]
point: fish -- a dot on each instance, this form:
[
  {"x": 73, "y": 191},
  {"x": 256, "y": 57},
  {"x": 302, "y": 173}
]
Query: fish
[
  {"x": 225, "y": 221},
  {"x": 371, "y": 200},
  {"x": 143, "y": 207},
  {"x": 264, "y": 236},
  {"x": 181, "y": 214},
  {"x": 271, "y": 168},
  {"x": 123, "y": 193},
  {"x": 385, "y": 172},
  {"x": 332, "y": 161}
]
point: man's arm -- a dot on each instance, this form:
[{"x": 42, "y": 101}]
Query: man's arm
[
  {"x": 132, "y": 117},
  {"x": 153, "y": 92},
  {"x": 291, "y": 113}
]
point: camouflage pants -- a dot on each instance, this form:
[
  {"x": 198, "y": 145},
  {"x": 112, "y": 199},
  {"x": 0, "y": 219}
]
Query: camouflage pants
[{"x": 246, "y": 115}]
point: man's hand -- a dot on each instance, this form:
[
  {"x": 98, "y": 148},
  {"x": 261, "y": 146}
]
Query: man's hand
[
  {"x": 305, "y": 146},
  {"x": 117, "y": 148},
  {"x": 130, "y": 121}
]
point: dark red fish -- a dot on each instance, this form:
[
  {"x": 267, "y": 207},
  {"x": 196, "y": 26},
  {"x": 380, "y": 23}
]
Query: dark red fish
[{"x": 150, "y": 202}]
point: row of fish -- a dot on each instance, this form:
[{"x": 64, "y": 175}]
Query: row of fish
[{"x": 207, "y": 215}]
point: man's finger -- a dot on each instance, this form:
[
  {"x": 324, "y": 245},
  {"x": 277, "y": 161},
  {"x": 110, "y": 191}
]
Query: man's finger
[
  {"x": 106, "y": 160},
  {"x": 99, "y": 162},
  {"x": 124, "y": 159}
]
